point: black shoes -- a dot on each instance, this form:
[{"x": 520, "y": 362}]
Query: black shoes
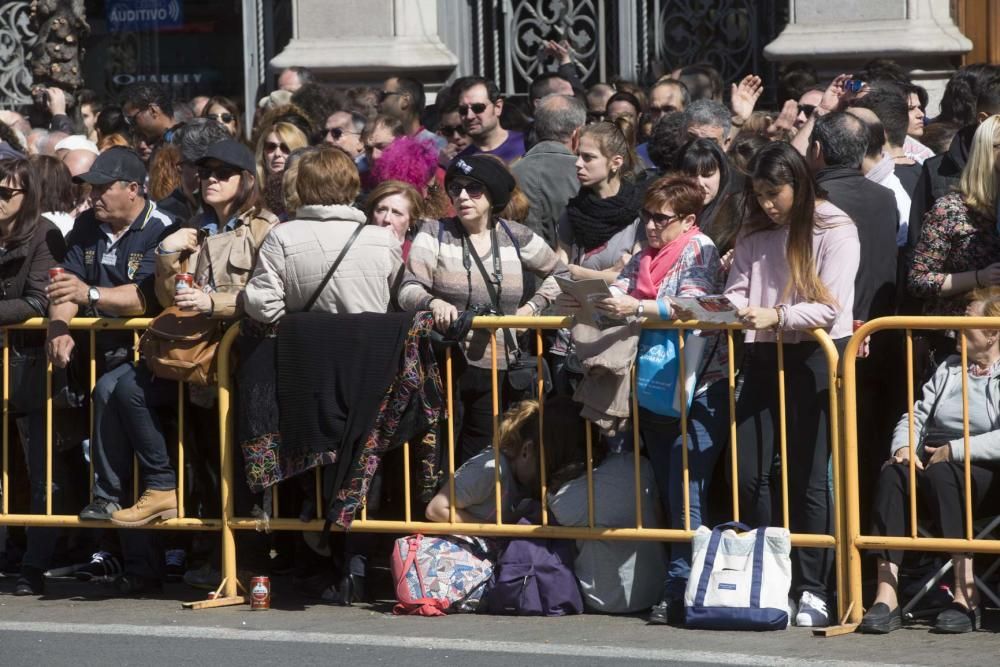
[
  {"x": 670, "y": 611},
  {"x": 99, "y": 510},
  {"x": 880, "y": 620},
  {"x": 134, "y": 585},
  {"x": 103, "y": 567},
  {"x": 31, "y": 582},
  {"x": 957, "y": 619}
]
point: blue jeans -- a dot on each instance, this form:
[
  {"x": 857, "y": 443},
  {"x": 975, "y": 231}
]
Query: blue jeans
[{"x": 706, "y": 434}]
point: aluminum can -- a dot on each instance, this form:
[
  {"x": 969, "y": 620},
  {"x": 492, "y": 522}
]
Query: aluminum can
[
  {"x": 56, "y": 271},
  {"x": 260, "y": 593},
  {"x": 183, "y": 281}
]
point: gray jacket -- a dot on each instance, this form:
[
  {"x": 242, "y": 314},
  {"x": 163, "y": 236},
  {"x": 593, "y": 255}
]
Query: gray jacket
[
  {"x": 937, "y": 415},
  {"x": 547, "y": 175}
]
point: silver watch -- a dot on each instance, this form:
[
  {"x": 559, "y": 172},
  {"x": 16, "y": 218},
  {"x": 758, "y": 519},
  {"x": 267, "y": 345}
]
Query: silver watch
[{"x": 93, "y": 296}]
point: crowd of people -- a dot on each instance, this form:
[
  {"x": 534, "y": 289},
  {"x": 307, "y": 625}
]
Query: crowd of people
[{"x": 853, "y": 200}]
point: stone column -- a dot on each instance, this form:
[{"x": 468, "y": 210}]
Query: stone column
[
  {"x": 840, "y": 35},
  {"x": 356, "y": 42}
]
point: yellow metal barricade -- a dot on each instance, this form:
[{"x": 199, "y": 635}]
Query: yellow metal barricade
[
  {"x": 855, "y": 539},
  {"x": 94, "y": 326},
  {"x": 229, "y": 454}
]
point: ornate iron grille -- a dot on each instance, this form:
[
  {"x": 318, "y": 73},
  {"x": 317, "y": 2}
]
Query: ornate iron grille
[{"x": 16, "y": 40}]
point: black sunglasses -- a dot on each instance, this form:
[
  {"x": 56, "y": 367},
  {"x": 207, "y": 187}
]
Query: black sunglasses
[
  {"x": 383, "y": 94},
  {"x": 270, "y": 147},
  {"x": 807, "y": 109},
  {"x": 660, "y": 220},
  {"x": 222, "y": 117},
  {"x": 474, "y": 189},
  {"x": 477, "y": 108},
  {"x": 7, "y": 194},
  {"x": 450, "y": 130},
  {"x": 222, "y": 173},
  {"x": 130, "y": 119},
  {"x": 336, "y": 133}
]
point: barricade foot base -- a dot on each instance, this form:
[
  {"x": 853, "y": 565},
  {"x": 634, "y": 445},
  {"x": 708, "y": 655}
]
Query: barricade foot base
[
  {"x": 217, "y": 602},
  {"x": 836, "y": 630}
]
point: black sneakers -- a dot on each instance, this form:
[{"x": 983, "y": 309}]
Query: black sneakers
[
  {"x": 31, "y": 582},
  {"x": 99, "y": 510},
  {"x": 103, "y": 567},
  {"x": 669, "y": 611}
]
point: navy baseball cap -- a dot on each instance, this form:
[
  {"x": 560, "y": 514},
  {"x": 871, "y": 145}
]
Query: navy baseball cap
[
  {"x": 115, "y": 164},
  {"x": 231, "y": 152}
]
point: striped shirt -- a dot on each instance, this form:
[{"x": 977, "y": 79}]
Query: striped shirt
[{"x": 435, "y": 270}]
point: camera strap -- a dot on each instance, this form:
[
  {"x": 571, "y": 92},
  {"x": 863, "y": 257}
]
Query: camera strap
[{"x": 509, "y": 343}]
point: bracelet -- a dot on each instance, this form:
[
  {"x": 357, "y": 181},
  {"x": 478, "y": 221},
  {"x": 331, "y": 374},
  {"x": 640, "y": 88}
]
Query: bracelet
[
  {"x": 640, "y": 309},
  {"x": 661, "y": 307},
  {"x": 781, "y": 317},
  {"x": 978, "y": 284}
]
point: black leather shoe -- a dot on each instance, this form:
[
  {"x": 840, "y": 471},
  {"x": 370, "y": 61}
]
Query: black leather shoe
[
  {"x": 669, "y": 611},
  {"x": 880, "y": 620},
  {"x": 135, "y": 585},
  {"x": 31, "y": 582},
  {"x": 957, "y": 619},
  {"x": 352, "y": 589}
]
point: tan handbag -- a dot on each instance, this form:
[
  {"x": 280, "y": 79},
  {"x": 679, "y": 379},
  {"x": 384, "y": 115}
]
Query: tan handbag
[{"x": 180, "y": 345}]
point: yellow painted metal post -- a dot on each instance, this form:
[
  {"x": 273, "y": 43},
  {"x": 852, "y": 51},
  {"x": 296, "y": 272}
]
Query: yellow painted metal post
[
  {"x": 783, "y": 430},
  {"x": 226, "y": 460},
  {"x": 496, "y": 425},
  {"x": 734, "y": 456},
  {"x": 180, "y": 450}
]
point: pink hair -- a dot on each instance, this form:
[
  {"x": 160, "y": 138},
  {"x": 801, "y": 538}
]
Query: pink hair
[{"x": 409, "y": 160}]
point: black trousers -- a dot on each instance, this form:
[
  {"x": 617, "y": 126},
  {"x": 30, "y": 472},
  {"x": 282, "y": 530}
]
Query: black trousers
[
  {"x": 474, "y": 404},
  {"x": 808, "y": 446},
  {"x": 941, "y": 494}
]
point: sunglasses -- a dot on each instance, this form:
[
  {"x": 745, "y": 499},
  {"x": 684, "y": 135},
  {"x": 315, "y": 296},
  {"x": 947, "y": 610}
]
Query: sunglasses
[
  {"x": 220, "y": 173},
  {"x": 473, "y": 189},
  {"x": 222, "y": 117},
  {"x": 477, "y": 108},
  {"x": 7, "y": 194},
  {"x": 130, "y": 120},
  {"x": 660, "y": 220},
  {"x": 807, "y": 109},
  {"x": 270, "y": 147},
  {"x": 336, "y": 133},
  {"x": 451, "y": 130},
  {"x": 383, "y": 94}
]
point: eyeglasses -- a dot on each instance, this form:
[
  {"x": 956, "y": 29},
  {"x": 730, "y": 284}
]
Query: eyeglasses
[
  {"x": 472, "y": 188},
  {"x": 222, "y": 117},
  {"x": 667, "y": 108},
  {"x": 222, "y": 173},
  {"x": 383, "y": 94},
  {"x": 451, "y": 130},
  {"x": 7, "y": 194},
  {"x": 660, "y": 220},
  {"x": 130, "y": 119},
  {"x": 807, "y": 109},
  {"x": 270, "y": 147},
  {"x": 336, "y": 133},
  {"x": 477, "y": 108}
]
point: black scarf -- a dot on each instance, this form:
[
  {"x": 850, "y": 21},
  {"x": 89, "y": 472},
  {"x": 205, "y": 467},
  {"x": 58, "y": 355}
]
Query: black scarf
[{"x": 595, "y": 220}]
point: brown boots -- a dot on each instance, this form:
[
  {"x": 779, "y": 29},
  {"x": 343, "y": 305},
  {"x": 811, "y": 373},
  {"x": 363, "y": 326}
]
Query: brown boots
[{"x": 152, "y": 505}]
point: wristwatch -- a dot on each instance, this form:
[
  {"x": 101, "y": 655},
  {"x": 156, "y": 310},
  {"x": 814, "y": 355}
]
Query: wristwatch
[{"x": 93, "y": 296}]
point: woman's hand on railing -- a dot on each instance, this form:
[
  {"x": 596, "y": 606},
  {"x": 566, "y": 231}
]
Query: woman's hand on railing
[
  {"x": 444, "y": 314},
  {"x": 59, "y": 345}
]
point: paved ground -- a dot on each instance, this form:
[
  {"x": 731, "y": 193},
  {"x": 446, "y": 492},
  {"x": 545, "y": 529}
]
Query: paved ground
[{"x": 76, "y": 624}]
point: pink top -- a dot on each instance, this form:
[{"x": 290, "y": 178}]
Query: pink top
[{"x": 760, "y": 273}]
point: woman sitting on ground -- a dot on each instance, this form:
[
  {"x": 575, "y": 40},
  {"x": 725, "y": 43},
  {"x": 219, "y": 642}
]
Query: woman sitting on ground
[{"x": 940, "y": 450}]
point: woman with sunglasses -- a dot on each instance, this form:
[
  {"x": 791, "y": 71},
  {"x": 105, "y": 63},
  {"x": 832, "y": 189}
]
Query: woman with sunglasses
[
  {"x": 477, "y": 260},
  {"x": 277, "y": 141},
  {"x": 224, "y": 110},
  {"x": 679, "y": 260},
  {"x": 450, "y": 127},
  {"x": 793, "y": 270},
  {"x": 32, "y": 245}
]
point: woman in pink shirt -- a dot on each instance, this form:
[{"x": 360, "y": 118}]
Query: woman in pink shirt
[{"x": 793, "y": 270}]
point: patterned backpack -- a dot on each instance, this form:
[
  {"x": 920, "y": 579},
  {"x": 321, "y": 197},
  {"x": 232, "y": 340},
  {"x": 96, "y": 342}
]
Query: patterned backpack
[{"x": 438, "y": 575}]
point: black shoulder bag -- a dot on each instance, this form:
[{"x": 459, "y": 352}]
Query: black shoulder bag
[
  {"x": 329, "y": 274},
  {"x": 522, "y": 369}
]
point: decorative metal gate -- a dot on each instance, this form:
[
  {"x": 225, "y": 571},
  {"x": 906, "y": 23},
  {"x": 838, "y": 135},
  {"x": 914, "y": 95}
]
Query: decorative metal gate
[
  {"x": 16, "y": 40},
  {"x": 631, "y": 39}
]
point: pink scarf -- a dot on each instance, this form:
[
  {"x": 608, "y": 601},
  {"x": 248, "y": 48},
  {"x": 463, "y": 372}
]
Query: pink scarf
[{"x": 655, "y": 263}]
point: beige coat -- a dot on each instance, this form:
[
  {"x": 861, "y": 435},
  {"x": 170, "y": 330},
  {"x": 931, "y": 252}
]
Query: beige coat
[
  {"x": 225, "y": 261},
  {"x": 297, "y": 255}
]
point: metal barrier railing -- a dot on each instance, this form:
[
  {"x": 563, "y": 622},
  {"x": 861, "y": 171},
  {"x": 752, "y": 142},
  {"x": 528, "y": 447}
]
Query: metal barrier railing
[
  {"x": 545, "y": 529},
  {"x": 856, "y": 539}
]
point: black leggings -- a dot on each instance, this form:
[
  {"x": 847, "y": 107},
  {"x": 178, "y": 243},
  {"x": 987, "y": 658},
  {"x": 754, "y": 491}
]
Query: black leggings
[
  {"x": 941, "y": 493},
  {"x": 807, "y": 401}
]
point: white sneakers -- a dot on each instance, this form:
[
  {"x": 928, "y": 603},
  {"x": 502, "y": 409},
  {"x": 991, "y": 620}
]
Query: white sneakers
[{"x": 812, "y": 612}]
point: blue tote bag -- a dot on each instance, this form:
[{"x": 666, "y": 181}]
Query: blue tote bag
[{"x": 658, "y": 367}]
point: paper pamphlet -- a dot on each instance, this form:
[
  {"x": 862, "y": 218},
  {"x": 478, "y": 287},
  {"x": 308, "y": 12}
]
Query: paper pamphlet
[{"x": 712, "y": 308}]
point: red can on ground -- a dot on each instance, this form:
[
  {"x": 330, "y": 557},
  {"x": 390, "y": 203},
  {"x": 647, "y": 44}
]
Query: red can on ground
[{"x": 260, "y": 593}]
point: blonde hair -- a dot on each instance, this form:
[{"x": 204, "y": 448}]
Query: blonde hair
[
  {"x": 989, "y": 297},
  {"x": 290, "y": 135},
  {"x": 978, "y": 184},
  {"x": 616, "y": 138}
]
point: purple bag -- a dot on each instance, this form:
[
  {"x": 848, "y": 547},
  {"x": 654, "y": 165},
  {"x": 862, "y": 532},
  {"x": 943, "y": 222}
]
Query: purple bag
[{"x": 534, "y": 578}]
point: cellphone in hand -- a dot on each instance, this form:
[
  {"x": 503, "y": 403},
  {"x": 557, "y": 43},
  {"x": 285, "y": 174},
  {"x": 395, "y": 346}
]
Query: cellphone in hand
[{"x": 854, "y": 85}]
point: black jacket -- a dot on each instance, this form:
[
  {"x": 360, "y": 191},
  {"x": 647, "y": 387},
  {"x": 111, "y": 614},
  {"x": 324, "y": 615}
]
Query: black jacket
[
  {"x": 873, "y": 209},
  {"x": 24, "y": 273},
  {"x": 939, "y": 176}
]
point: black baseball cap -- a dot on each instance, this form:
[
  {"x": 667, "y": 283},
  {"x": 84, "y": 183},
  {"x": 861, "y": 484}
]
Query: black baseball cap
[
  {"x": 115, "y": 164},
  {"x": 231, "y": 152}
]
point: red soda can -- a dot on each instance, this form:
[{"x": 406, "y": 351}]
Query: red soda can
[
  {"x": 212, "y": 595},
  {"x": 857, "y": 324},
  {"x": 260, "y": 593},
  {"x": 183, "y": 281},
  {"x": 56, "y": 271}
]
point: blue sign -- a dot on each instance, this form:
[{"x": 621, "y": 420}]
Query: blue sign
[{"x": 139, "y": 15}]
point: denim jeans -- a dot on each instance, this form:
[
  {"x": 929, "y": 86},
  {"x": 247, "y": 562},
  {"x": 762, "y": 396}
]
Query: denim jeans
[
  {"x": 125, "y": 421},
  {"x": 706, "y": 434}
]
